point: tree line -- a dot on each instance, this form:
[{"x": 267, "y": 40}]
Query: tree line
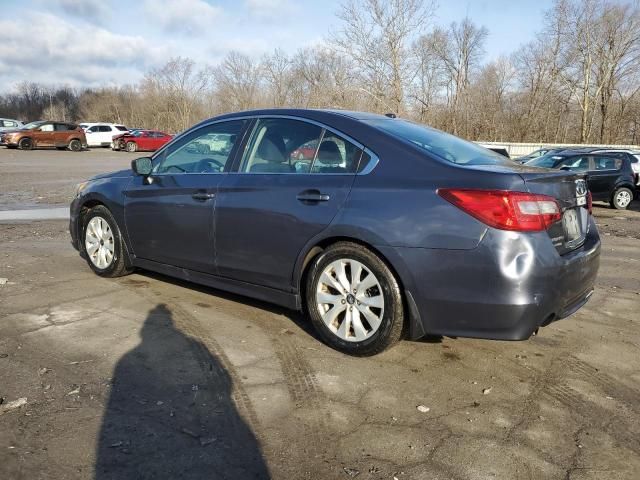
[{"x": 577, "y": 81}]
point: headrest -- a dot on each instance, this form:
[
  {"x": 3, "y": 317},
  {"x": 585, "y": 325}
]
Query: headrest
[
  {"x": 272, "y": 149},
  {"x": 329, "y": 153}
]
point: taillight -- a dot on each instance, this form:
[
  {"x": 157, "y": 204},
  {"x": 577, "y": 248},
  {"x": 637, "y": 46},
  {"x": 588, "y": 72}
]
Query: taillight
[
  {"x": 506, "y": 210},
  {"x": 589, "y": 202}
]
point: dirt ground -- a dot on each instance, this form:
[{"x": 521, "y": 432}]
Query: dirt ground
[{"x": 149, "y": 377}]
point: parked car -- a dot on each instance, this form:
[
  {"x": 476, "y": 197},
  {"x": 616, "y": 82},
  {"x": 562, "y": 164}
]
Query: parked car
[
  {"x": 41, "y": 134},
  {"x": 141, "y": 140},
  {"x": 118, "y": 143},
  {"x": 101, "y": 134},
  {"x": 610, "y": 176},
  {"x": 394, "y": 227},
  {"x": 9, "y": 124}
]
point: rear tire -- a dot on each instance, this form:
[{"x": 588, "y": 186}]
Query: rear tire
[
  {"x": 102, "y": 244},
  {"x": 621, "y": 198},
  {"x": 359, "y": 287},
  {"x": 132, "y": 147},
  {"x": 25, "y": 144},
  {"x": 75, "y": 145}
]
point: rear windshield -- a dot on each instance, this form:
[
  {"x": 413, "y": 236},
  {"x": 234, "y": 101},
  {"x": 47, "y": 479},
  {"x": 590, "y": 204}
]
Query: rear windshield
[
  {"x": 122, "y": 128},
  {"x": 446, "y": 146}
]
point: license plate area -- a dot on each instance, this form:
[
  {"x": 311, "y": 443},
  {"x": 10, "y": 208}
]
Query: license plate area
[{"x": 574, "y": 225}]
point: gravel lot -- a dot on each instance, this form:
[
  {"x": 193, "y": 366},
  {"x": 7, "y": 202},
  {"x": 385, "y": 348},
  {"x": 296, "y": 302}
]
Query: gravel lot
[{"x": 149, "y": 377}]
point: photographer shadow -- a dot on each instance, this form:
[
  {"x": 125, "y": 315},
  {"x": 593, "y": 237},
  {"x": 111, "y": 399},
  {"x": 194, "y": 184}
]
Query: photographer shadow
[{"x": 171, "y": 415}]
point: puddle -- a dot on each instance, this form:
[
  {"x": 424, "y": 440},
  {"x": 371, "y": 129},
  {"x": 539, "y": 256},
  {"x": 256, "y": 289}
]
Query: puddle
[{"x": 59, "y": 213}]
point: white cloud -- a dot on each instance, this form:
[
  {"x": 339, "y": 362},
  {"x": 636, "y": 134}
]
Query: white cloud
[
  {"x": 45, "y": 48},
  {"x": 184, "y": 16}
]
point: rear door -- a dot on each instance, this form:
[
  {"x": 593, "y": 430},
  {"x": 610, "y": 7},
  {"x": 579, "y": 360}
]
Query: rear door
[
  {"x": 603, "y": 176},
  {"x": 169, "y": 215},
  {"x": 61, "y": 134},
  {"x": 276, "y": 202}
]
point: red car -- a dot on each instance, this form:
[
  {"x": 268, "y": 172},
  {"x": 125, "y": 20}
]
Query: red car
[
  {"x": 139, "y": 140},
  {"x": 305, "y": 152}
]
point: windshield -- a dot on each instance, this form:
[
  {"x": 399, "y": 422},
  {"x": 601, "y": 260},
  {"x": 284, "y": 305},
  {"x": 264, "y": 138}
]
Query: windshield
[
  {"x": 31, "y": 125},
  {"x": 446, "y": 146},
  {"x": 546, "y": 161}
]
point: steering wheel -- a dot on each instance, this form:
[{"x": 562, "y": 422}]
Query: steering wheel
[{"x": 210, "y": 164}]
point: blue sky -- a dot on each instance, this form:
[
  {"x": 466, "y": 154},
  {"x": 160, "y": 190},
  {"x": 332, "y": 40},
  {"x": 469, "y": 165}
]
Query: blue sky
[{"x": 101, "y": 42}]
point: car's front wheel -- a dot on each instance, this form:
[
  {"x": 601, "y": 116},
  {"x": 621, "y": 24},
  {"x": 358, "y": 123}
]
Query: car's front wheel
[
  {"x": 621, "y": 198},
  {"x": 132, "y": 147},
  {"x": 102, "y": 243},
  {"x": 354, "y": 300},
  {"x": 25, "y": 144}
]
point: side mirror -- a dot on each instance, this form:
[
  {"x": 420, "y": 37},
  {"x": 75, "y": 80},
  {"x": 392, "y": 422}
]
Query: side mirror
[
  {"x": 565, "y": 167},
  {"x": 142, "y": 166}
]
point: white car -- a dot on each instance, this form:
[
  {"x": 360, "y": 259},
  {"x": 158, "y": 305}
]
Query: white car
[
  {"x": 101, "y": 134},
  {"x": 9, "y": 124}
]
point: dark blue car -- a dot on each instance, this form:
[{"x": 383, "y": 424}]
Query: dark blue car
[{"x": 390, "y": 228}]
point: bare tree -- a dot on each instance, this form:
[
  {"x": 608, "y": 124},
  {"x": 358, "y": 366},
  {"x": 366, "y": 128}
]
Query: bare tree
[{"x": 377, "y": 36}]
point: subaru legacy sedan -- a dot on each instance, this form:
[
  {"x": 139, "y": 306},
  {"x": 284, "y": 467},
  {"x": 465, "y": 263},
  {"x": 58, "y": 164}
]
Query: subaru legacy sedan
[{"x": 389, "y": 229}]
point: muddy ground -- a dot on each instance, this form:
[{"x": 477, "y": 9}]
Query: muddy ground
[{"x": 149, "y": 377}]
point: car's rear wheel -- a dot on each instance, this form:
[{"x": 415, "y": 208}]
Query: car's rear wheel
[
  {"x": 354, "y": 300},
  {"x": 621, "y": 198},
  {"x": 75, "y": 145},
  {"x": 102, "y": 243},
  {"x": 132, "y": 147},
  {"x": 25, "y": 144}
]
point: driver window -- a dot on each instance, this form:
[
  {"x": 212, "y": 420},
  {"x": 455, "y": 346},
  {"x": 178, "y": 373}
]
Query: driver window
[
  {"x": 48, "y": 127},
  {"x": 206, "y": 150}
]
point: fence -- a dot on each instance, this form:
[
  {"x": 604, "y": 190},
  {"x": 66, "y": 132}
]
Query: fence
[{"x": 521, "y": 149}]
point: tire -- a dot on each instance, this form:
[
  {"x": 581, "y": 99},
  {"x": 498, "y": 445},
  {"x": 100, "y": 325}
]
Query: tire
[
  {"x": 117, "y": 263},
  {"x": 61, "y": 148},
  {"x": 621, "y": 198},
  {"x": 389, "y": 314},
  {"x": 75, "y": 145},
  {"x": 132, "y": 147},
  {"x": 25, "y": 144}
]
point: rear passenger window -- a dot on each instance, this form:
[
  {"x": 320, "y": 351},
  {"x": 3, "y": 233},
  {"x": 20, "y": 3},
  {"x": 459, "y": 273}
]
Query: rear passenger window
[
  {"x": 280, "y": 145},
  {"x": 607, "y": 163}
]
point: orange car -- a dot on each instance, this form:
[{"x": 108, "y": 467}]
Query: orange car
[{"x": 41, "y": 134}]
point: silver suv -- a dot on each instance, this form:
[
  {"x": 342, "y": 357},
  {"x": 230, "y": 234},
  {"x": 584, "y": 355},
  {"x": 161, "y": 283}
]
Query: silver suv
[{"x": 9, "y": 124}]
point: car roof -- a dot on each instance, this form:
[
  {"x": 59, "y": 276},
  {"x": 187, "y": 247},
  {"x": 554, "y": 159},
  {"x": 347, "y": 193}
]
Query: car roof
[{"x": 310, "y": 113}]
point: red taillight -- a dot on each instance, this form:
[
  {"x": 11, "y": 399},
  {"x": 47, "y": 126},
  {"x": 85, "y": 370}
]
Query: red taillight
[
  {"x": 589, "y": 202},
  {"x": 506, "y": 210}
]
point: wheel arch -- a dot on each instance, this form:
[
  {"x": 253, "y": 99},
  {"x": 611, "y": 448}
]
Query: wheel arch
[{"x": 414, "y": 327}]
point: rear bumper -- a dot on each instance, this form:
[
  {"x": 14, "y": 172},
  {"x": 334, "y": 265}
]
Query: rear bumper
[{"x": 505, "y": 289}]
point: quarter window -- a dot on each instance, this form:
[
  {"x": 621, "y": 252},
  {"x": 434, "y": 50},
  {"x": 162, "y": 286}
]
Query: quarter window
[{"x": 206, "y": 150}]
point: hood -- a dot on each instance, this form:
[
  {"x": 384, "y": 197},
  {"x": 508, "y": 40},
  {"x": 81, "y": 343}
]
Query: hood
[{"x": 118, "y": 174}]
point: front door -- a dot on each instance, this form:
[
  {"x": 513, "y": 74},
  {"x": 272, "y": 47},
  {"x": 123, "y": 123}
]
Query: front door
[
  {"x": 276, "y": 202},
  {"x": 44, "y": 135},
  {"x": 169, "y": 215}
]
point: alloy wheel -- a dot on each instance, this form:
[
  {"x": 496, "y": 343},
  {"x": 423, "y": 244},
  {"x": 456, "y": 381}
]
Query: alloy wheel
[
  {"x": 350, "y": 300},
  {"x": 99, "y": 242},
  {"x": 623, "y": 198}
]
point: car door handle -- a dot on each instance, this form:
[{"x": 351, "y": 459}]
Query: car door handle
[
  {"x": 312, "y": 196},
  {"x": 203, "y": 196}
]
